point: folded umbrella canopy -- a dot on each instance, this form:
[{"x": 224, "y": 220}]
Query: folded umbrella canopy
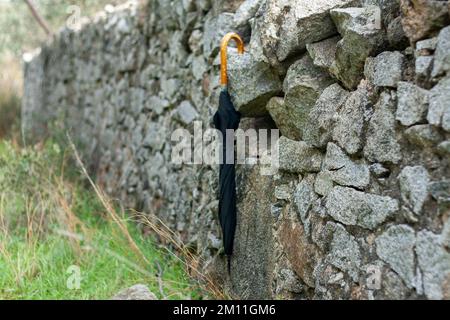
[{"x": 227, "y": 118}]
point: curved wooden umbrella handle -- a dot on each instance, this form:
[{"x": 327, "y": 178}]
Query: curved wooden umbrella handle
[{"x": 223, "y": 54}]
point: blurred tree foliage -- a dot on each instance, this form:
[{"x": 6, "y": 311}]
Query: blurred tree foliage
[{"x": 19, "y": 31}]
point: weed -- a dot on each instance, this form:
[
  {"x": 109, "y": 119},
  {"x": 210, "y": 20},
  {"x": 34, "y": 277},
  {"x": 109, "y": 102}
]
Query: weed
[{"x": 50, "y": 223}]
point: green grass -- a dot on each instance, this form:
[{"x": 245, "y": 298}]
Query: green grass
[{"x": 50, "y": 221}]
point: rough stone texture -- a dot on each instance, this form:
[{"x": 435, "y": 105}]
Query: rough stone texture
[
  {"x": 414, "y": 187},
  {"x": 252, "y": 260},
  {"x": 386, "y": 69},
  {"x": 36, "y": 112},
  {"x": 396, "y": 247},
  {"x": 390, "y": 10},
  {"x": 298, "y": 156},
  {"x": 343, "y": 171},
  {"x": 282, "y": 118},
  {"x": 424, "y": 55},
  {"x": 217, "y": 6},
  {"x": 322, "y": 117},
  {"x": 352, "y": 207},
  {"x": 251, "y": 84},
  {"x": 304, "y": 198},
  {"x": 137, "y": 292},
  {"x": 442, "y": 55},
  {"x": 412, "y": 104},
  {"x": 444, "y": 147},
  {"x": 378, "y": 170},
  {"x": 283, "y": 192},
  {"x": 303, "y": 85},
  {"x": 423, "y": 67},
  {"x": 382, "y": 144},
  {"x": 288, "y": 284},
  {"x": 393, "y": 287},
  {"x": 422, "y": 18},
  {"x": 439, "y": 109},
  {"x": 434, "y": 262},
  {"x": 124, "y": 82},
  {"x": 246, "y": 11},
  {"x": 445, "y": 236},
  {"x": 215, "y": 28},
  {"x": 327, "y": 277},
  {"x": 350, "y": 121},
  {"x": 324, "y": 184},
  {"x": 426, "y": 46},
  {"x": 157, "y": 104},
  {"x": 345, "y": 253},
  {"x": 291, "y": 24},
  {"x": 186, "y": 113},
  {"x": 361, "y": 38},
  {"x": 423, "y": 135},
  {"x": 300, "y": 253},
  {"x": 396, "y": 35},
  {"x": 323, "y": 53},
  {"x": 439, "y": 189}
]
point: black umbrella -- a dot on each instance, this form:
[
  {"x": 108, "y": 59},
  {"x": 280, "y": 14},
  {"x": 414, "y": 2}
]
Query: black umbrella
[{"x": 225, "y": 118}]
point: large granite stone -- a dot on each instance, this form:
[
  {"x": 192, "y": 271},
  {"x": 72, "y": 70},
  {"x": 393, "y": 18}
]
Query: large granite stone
[
  {"x": 277, "y": 110},
  {"x": 356, "y": 208},
  {"x": 434, "y": 262},
  {"x": 349, "y": 126},
  {"x": 423, "y": 135},
  {"x": 422, "y": 18},
  {"x": 304, "y": 198},
  {"x": 289, "y": 25},
  {"x": 323, "y": 52},
  {"x": 442, "y": 55},
  {"x": 412, "y": 104},
  {"x": 439, "y": 108},
  {"x": 186, "y": 112},
  {"x": 252, "y": 259},
  {"x": 396, "y": 247},
  {"x": 252, "y": 83},
  {"x": 345, "y": 252},
  {"x": 414, "y": 187},
  {"x": 303, "y": 85},
  {"x": 298, "y": 156},
  {"x": 361, "y": 37},
  {"x": 302, "y": 254},
  {"x": 215, "y": 28},
  {"x": 382, "y": 144},
  {"x": 386, "y": 69},
  {"x": 344, "y": 171},
  {"x": 322, "y": 117}
]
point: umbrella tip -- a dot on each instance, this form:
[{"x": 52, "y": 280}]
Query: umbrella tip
[{"x": 229, "y": 264}]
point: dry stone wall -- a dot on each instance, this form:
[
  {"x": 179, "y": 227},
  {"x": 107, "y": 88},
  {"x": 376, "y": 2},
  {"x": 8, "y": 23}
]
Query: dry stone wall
[{"x": 360, "y": 91}]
